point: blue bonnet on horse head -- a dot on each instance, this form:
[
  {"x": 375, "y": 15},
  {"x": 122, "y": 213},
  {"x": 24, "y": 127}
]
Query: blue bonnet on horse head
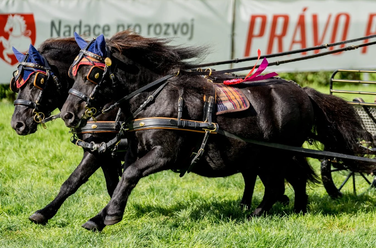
[
  {"x": 32, "y": 66},
  {"x": 31, "y": 107}
]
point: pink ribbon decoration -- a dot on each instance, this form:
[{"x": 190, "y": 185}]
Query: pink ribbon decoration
[
  {"x": 261, "y": 68},
  {"x": 256, "y": 76}
]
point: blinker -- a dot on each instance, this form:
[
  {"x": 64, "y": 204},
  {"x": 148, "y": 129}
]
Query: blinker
[
  {"x": 13, "y": 86},
  {"x": 95, "y": 74},
  {"x": 39, "y": 80}
]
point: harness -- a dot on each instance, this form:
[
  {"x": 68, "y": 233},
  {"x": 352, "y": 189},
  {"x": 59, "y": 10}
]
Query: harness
[
  {"x": 42, "y": 77},
  {"x": 206, "y": 126}
]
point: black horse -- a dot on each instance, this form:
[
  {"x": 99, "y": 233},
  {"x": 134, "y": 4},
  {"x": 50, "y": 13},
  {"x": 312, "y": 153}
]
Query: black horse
[
  {"x": 280, "y": 111},
  {"x": 50, "y": 90},
  {"x": 42, "y": 85}
]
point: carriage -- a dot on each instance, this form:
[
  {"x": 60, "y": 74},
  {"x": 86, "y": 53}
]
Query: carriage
[{"x": 340, "y": 177}]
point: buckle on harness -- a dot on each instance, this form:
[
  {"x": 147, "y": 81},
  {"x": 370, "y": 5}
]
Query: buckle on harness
[
  {"x": 90, "y": 113},
  {"x": 39, "y": 117}
]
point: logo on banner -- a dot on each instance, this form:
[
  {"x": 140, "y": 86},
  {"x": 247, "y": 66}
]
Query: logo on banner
[{"x": 16, "y": 30}]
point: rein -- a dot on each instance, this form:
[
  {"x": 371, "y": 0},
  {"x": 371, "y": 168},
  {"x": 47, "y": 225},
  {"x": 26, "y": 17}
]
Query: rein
[
  {"x": 324, "y": 46},
  {"x": 209, "y": 72}
]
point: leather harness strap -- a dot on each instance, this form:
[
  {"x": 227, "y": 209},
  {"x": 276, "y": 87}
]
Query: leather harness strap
[
  {"x": 304, "y": 151},
  {"x": 99, "y": 127},
  {"x": 172, "y": 124}
]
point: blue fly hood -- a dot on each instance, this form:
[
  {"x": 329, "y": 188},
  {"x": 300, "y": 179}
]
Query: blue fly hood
[
  {"x": 33, "y": 57},
  {"x": 98, "y": 46}
]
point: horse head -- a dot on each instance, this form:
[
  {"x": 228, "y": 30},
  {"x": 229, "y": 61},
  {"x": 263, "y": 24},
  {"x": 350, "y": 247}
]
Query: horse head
[
  {"x": 42, "y": 84},
  {"x": 107, "y": 70}
]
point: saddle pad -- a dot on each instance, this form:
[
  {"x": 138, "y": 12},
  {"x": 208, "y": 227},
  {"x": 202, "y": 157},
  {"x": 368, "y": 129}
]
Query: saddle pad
[{"x": 230, "y": 99}]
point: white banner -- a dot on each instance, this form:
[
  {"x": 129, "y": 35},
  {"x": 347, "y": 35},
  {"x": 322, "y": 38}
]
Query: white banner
[
  {"x": 231, "y": 28},
  {"x": 279, "y": 26},
  {"x": 188, "y": 23}
]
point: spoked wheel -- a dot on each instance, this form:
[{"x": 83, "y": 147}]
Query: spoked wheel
[{"x": 338, "y": 180}]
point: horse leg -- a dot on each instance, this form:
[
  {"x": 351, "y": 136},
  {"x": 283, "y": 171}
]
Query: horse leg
[
  {"x": 297, "y": 177},
  {"x": 80, "y": 175},
  {"x": 111, "y": 172},
  {"x": 249, "y": 185},
  {"x": 150, "y": 163},
  {"x": 274, "y": 189}
]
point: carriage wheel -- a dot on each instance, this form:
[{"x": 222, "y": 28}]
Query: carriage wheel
[{"x": 339, "y": 180}]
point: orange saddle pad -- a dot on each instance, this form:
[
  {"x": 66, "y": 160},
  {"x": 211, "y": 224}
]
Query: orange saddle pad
[{"x": 230, "y": 99}]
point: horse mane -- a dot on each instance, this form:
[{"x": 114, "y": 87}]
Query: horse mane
[
  {"x": 60, "y": 54},
  {"x": 155, "y": 53},
  {"x": 59, "y": 48}
]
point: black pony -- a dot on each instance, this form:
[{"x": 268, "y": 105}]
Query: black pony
[
  {"x": 42, "y": 83},
  {"x": 173, "y": 119},
  {"x": 39, "y": 94}
]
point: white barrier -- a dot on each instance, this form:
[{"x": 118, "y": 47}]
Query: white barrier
[{"x": 231, "y": 28}]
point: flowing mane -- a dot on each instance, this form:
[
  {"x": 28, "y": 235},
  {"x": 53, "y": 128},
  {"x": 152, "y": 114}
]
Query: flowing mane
[
  {"x": 60, "y": 53},
  {"x": 155, "y": 53},
  {"x": 59, "y": 48}
]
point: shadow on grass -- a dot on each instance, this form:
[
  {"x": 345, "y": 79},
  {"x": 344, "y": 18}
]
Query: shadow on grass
[
  {"x": 231, "y": 209},
  {"x": 348, "y": 203}
]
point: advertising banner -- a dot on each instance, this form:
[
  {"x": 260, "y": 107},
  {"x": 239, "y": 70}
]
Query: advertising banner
[
  {"x": 187, "y": 23},
  {"x": 229, "y": 28},
  {"x": 279, "y": 26}
]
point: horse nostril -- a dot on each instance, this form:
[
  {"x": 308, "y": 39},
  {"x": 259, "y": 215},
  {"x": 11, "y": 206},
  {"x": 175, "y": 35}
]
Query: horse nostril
[
  {"x": 69, "y": 118},
  {"x": 20, "y": 126}
]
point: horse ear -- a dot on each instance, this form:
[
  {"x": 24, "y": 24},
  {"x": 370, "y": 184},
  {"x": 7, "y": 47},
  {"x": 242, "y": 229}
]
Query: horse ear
[
  {"x": 81, "y": 42},
  {"x": 20, "y": 56},
  {"x": 35, "y": 56},
  {"x": 99, "y": 46}
]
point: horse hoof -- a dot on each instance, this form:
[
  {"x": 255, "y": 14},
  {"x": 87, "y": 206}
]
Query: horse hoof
[
  {"x": 257, "y": 213},
  {"x": 38, "y": 218},
  {"x": 92, "y": 226},
  {"x": 111, "y": 220}
]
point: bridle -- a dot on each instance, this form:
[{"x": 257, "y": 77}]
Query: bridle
[
  {"x": 100, "y": 69},
  {"x": 97, "y": 75},
  {"x": 42, "y": 77}
]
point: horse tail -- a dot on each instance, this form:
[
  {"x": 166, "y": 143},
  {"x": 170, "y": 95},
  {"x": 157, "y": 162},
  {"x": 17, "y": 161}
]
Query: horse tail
[{"x": 337, "y": 125}]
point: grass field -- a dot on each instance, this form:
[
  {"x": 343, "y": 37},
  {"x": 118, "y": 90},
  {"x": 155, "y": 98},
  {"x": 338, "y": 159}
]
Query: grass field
[{"x": 164, "y": 210}]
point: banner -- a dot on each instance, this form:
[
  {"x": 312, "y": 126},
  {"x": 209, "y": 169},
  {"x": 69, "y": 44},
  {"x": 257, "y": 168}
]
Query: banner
[
  {"x": 279, "y": 26},
  {"x": 229, "y": 28},
  {"x": 187, "y": 23}
]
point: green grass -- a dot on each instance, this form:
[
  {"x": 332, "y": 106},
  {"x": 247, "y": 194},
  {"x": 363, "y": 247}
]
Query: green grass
[{"x": 164, "y": 210}]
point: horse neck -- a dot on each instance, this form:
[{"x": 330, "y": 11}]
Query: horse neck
[
  {"x": 190, "y": 89},
  {"x": 60, "y": 70},
  {"x": 66, "y": 85}
]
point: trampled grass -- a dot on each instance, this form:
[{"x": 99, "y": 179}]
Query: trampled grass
[{"x": 164, "y": 210}]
